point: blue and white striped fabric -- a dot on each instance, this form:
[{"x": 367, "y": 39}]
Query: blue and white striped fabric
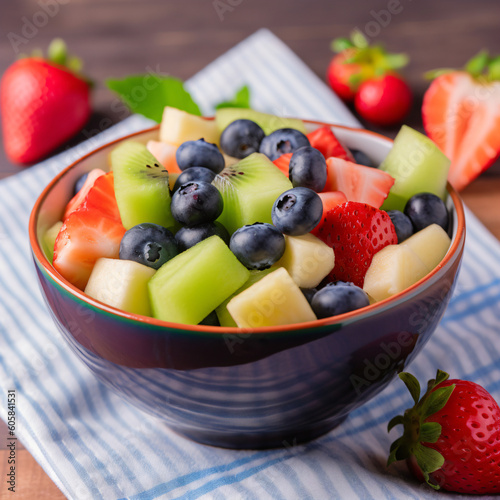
[{"x": 94, "y": 446}]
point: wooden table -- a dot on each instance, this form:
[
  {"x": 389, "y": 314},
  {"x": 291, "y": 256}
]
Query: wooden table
[{"x": 121, "y": 37}]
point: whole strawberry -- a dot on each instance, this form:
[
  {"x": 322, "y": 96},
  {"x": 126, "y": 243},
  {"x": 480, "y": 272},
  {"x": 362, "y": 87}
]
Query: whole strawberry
[
  {"x": 43, "y": 104},
  {"x": 451, "y": 436},
  {"x": 356, "y": 232}
]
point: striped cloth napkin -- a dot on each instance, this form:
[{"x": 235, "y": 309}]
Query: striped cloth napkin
[{"x": 95, "y": 446}]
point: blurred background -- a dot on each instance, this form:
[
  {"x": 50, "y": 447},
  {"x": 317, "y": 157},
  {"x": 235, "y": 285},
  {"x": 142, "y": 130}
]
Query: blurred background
[{"x": 116, "y": 38}]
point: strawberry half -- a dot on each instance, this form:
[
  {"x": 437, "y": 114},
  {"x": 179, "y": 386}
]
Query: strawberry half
[
  {"x": 451, "y": 436},
  {"x": 327, "y": 143},
  {"x": 357, "y": 182},
  {"x": 283, "y": 163},
  {"x": 356, "y": 232},
  {"x": 461, "y": 114},
  {"x": 92, "y": 231},
  {"x": 44, "y": 103},
  {"x": 79, "y": 197}
]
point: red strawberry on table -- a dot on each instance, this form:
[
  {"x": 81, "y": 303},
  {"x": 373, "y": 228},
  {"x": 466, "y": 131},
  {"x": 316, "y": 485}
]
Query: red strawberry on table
[
  {"x": 43, "y": 104},
  {"x": 451, "y": 436},
  {"x": 356, "y": 232},
  {"x": 461, "y": 114}
]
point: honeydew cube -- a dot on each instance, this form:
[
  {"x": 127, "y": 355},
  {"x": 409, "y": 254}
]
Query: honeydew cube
[
  {"x": 307, "y": 259},
  {"x": 122, "y": 284},
  {"x": 194, "y": 283},
  {"x": 49, "y": 240},
  {"x": 274, "y": 300},
  {"x": 392, "y": 270},
  {"x": 178, "y": 126},
  {"x": 225, "y": 319},
  {"x": 430, "y": 244}
]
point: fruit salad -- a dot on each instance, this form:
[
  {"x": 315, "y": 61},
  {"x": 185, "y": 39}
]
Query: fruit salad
[{"x": 250, "y": 221}]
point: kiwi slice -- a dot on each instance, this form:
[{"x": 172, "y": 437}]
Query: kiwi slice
[
  {"x": 249, "y": 189},
  {"x": 268, "y": 123},
  {"x": 141, "y": 186}
]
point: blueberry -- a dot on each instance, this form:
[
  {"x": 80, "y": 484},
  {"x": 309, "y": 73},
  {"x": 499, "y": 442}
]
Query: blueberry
[
  {"x": 297, "y": 211},
  {"x": 402, "y": 224},
  {"x": 257, "y": 246},
  {"x": 309, "y": 293},
  {"x": 362, "y": 159},
  {"x": 211, "y": 320},
  {"x": 281, "y": 141},
  {"x": 80, "y": 182},
  {"x": 199, "y": 154},
  {"x": 425, "y": 209},
  {"x": 308, "y": 169},
  {"x": 187, "y": 237},
  {"x": 195, "y": 203},
  {"x": 148, "y": 244},
  {"x": 241, "y": 138},
  {"x": 338, "y": 298},
  {"x": 194, "y": 174}
]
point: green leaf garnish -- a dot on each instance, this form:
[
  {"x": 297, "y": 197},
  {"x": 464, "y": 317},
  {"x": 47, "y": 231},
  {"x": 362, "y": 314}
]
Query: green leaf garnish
[
  {"x": 149, "y": 94},
  {"x": 240, "y": 100},
  {"x": 412, "y": 384}
]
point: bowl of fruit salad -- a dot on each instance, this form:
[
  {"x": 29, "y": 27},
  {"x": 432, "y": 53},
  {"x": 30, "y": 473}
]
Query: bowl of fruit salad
[{"x": 249, "y": 279}]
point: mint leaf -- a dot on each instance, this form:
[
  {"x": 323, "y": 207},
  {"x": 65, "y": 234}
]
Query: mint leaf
[
  {"x": 240, "y": 100},
  {"x": 149, "y": 94}
]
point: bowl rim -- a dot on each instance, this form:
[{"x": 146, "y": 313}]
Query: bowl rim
[{"x": 455, "y": 248}]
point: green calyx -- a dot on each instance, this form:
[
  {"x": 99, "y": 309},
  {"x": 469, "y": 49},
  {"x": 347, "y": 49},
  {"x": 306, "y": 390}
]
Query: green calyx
[
  {"x": 373, "y": 56},
  {"x": 416, "y": 430},
  {"x": 481, "y": 67}
]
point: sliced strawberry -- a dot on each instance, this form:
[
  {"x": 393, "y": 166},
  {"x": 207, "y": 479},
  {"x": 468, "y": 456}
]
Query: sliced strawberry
[
  {"x": 325, "y": 141},
  {"x": 79, "y": 197},
  {"x": 331, "y": 199},
  {"x": 165, "y": 154},
  {"x": 461, "y": 114},
  {"x": 283, "y": 162},
  {"x": 92, "y": 231},
  {"x": 356, "y": 232},
  {"x": 357, "y": 182}
]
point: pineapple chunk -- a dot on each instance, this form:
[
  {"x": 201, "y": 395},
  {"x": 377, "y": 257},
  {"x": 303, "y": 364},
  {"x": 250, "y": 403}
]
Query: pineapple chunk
[
  {"x": 121, "y": 284},
  {"x": 273, "y": 300},
  {"x": 307, "y": 259},
  {"x": 178, "y": 126},
  {"x": 393, "y": 269},
  {"x": 430, "y": 244},
  {"x": 49, "y": 240}
]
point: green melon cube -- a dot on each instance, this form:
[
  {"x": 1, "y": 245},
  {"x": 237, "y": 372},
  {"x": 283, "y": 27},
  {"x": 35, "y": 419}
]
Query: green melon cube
[
  {"x": 191, "y": 285},
  {"x": 417, "y": 165}
]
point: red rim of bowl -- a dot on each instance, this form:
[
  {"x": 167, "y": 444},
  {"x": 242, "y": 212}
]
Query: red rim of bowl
[{"x": 456, "y": 245}]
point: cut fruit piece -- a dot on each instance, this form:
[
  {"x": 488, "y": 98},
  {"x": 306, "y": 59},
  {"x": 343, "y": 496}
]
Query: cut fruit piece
[
  {"x": 331, "y": 199},
  {"x": 49, "y": 240},
  {"x": 85, "y": 236},
  {"x": 225, "y": 319},
  {"x": 430, "y": 244},
  {"x": 101, "y": 197},
  {"x": 325, "y": 141},
  {"x": 417, "y": 165},
  {"x": 283, "y": 163},
  {"x": 165, "y": 154},
  {"x": 190, "y": 286},
  {"x": 268, "y": 123},
  {"x": 79, "y": 197},
  {"x": 393, "y": 269},
  {"x": 357, "y": 182},
  {"x": 178, "y": 126},
  {"x": 274, "y": 300},
  {"x": 307, "y": 259},
  {"x": 249, "y": 190},
  {"x": 122, "y": 284},
  {"x": 141, "y": 186}
]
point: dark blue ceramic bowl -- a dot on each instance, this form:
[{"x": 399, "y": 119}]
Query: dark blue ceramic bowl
[{"x": 254, "y": 388}]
